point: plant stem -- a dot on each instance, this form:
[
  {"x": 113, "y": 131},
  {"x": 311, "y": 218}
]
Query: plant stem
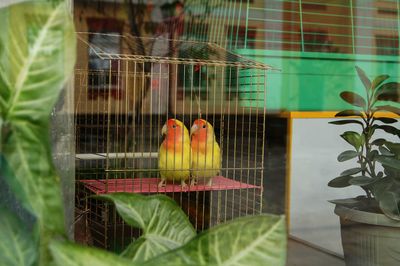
[
  {"x": 365, "y": 161},
  {"x": 367, "y": 192}
]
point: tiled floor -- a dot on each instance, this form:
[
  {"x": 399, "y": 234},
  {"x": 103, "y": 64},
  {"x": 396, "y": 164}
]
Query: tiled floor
[{"x": 300, "y": 254}]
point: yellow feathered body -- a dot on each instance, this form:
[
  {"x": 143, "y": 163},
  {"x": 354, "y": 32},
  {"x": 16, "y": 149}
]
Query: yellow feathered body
[
  {"x": 174, "y": 153},
  {"x": 206, "y": 163},
  {"x": 177, "y": 161},
  {"x": 206, "y": 155}
]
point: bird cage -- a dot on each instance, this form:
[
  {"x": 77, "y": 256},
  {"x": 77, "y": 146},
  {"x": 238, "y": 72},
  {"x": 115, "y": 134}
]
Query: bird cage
[{"x": 126, "y": 88}]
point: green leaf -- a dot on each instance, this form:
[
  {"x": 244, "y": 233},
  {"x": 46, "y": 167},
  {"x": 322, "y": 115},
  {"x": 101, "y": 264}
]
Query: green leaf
[
  {"x": 353, "y": 98},
  {"x": 378, "y": 81},
  {"x": 385, "y": 151},
  {"x": 394, "y": 148},
  {"x": 37, "y": 56},
  {"x": 346, "y": 202},
  {"x": 363, "y": 77},
  {"x": 349, "y": 113},
  {"x": 340, "y": 181},
  {"x": 378, "y": 142},
  {"x": 343, "y": 122},
  {"x": 380, "y": 187},
  {"x": 386, "y": 120},
  {"x": 347, "y": 155},
  {"x": 389, "y": 204},
  {"x": 389, "y": 129},
  {"x": 251, "y": 240},
  {"x": 351, "y": 171},
  {"x": 369, "y": 131},
  {"x": 389, "y": 92},
  {"x": 16, "y": 246},
  {"x": 165, "y": 226},
  {"x": 69, "y": 254},
  {"x": 389, "y": 161},
  {"x": 371, "y": 155},
  {"x": 145, "y": 248},
  {"x": 353, "y": 138},
  {"x": 36, "y": 184},
  {"x": 388, "y": 108},
  {"x": 362, "y": 180}
]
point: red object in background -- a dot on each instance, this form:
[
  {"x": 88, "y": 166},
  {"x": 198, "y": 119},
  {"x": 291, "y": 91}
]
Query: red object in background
[
  {"x": 105, "y": 25},
  {"x": 150, "y": 185}
]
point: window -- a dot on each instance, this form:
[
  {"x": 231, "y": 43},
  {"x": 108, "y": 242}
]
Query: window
[
  {"x": 314, "y": 6},
  {"x": 318, "y": 41},
  {"x": 387, "y": 45},
  {"x": 241, "y": 37}
]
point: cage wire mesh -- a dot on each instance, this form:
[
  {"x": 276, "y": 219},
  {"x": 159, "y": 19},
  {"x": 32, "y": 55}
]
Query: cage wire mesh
[{"x": 126, "y": 88}]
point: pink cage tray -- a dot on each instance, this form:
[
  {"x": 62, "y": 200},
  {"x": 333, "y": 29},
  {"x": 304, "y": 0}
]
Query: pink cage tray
[{"x": 150, "y": 185}]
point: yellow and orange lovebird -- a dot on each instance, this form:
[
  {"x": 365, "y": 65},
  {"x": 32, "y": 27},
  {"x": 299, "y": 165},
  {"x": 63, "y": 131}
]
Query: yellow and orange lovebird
[
  {"x": 174, "y": 153},
  {"x": 206, "y": 157}
]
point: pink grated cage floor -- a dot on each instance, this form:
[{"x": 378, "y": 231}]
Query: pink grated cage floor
[{"x": 150, "y": 185}]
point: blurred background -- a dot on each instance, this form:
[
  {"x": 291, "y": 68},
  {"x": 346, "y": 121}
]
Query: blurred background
[{"x": 313, "y": 47}]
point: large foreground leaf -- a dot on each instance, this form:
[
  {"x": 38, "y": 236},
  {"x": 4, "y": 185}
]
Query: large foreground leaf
[
  {"x": 252, "y": 240},
  {"x": 17, "y": 247},
  {"x": 164, "y": 225},
  {"x": 36, "y": 184},
  {"x": 37, "y": 55},
  {"x": 68, "y": 254}
]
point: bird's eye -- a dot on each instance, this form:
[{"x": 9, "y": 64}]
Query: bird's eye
[
  {"x": 204, "y": 126},
  {"x": 173, "y": 126}
]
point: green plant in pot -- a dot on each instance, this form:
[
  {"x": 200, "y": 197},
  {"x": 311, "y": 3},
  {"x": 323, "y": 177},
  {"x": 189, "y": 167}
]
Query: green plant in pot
[{"x": 373, "y": 218}]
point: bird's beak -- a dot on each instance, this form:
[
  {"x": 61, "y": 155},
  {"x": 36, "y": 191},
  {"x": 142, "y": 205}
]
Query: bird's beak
[
  {"x": 164, "y": 130},
  {"x": 193, "y": 129}
]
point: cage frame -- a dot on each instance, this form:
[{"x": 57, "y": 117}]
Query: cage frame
[{"x": 236, "y": 62}]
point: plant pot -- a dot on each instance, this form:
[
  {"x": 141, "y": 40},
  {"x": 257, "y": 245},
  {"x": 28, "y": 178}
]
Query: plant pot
[{"x": 368, "y": 239}]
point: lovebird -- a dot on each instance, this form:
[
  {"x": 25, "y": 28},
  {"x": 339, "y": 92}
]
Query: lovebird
[
  {"x": 174, "y": 153},
  {"x": 206, "y": 156}
]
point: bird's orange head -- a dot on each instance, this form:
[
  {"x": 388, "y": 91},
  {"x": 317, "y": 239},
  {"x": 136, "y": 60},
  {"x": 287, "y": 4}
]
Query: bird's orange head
[
  {"x": 174, "y": 131},
  {"x": 201, "y": 131}
]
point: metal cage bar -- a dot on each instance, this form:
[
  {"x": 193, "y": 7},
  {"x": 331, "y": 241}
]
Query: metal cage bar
[{"x": 124, "y": 99}]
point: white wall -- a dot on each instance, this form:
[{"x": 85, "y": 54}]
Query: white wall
[
  {"x": 315, "y": 147},
  {"x": 4, "y": 3}
]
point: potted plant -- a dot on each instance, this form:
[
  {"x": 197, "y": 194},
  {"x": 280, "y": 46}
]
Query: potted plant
[{"x": 370, "y": 224}]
